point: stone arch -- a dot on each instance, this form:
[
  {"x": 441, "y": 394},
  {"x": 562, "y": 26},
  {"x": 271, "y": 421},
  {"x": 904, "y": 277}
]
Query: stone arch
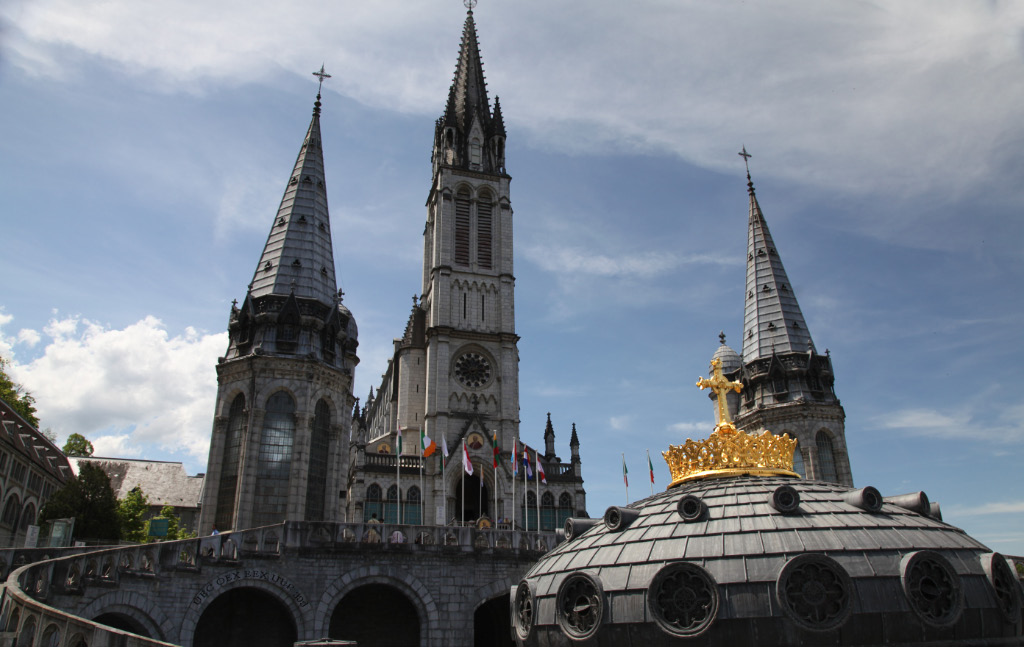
[
  {"x": 491, "y": 612},
  {"x": 825, "y": 452},
  {"x": 51, "y": 636},
  {"x": 191, "y": 617},
  {"x": 135, "y": 606},
  {"x": 27, "y": 631},
  {"x": 224, "y": 404},
  {"x": 28, "y": 514},
  {"x": 399, "y": 578},
  {"x": 10, "y": 514}
]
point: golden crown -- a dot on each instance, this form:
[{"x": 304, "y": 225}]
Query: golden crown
[{"x": 728, "y": 451}]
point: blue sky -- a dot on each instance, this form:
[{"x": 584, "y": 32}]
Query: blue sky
[{"x": 144, "y": 148}]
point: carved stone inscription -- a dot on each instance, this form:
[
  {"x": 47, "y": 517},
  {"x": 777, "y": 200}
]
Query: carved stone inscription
[{"x": 208, "y": 589}]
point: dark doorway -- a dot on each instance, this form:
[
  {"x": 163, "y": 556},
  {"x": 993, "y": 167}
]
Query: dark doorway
[
  {"x": 376, "y": 615},
  {"x": 122, "y": 622},
  {"x": 477, "y": 499},
  {"x": 245, "y": 617},
  {"x": 492, "y": 622}
]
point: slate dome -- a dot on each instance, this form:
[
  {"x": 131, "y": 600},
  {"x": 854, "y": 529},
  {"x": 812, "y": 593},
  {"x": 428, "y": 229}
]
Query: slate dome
[
  {"x": 749, "y": 560},
  {"x": 731, "y": 360}
]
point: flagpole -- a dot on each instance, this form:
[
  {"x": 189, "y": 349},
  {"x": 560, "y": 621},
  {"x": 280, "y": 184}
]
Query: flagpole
[
  {"x": 480, "y": 493},
  {"x": 494, "y": 513},
  {"x": 463, "y": 482},
  {"x": 398, "y": 471},
  {"x": 650, "y": 466},
  {"x": 423, "y": 459},
  {"x": 515, "y": 450},
  {"x": 536, "y": 455},
  {"x": 625, "y": 477},
  {"x": 526, "y": 491}
]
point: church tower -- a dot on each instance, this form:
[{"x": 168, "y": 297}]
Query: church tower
[
  {"x": 788, "y": 387},
  {"x": 284, "y": 392},
  {"x": 454, "y": 373}
]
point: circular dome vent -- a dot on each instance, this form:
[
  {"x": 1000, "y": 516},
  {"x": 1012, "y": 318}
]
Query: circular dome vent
[
  {"x": 522, "y": 611},
  {"x": 815, "y": 592},
  {"x": 932, "y": 588},
  {"x": 580, "y": 606},
  {"x": 683, "y": 598}
]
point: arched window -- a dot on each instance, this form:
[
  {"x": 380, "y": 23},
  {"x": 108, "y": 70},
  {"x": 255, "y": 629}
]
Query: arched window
[
  {"x": 462, "y": 219},
  {"x": 28, "y": 516},
  {"x": 484, "y": 227},
  {"x": 413, "y": 507},
  {"x": 474, "y": 153},
  {"x": 11, "y": 511},
  {"x": 798, "y": 463},
  {"x": 392, "y": 507},
  {"x": 225, "y": 511},
  {"x": 372, "y": 506},
  {"x": 319, "y": 450},
  {"x": 564, "y": 508},
  {"x": 530, "y": 512},
  {"x": 547, "y": 511},
  {"x": 826, "y": 458},
  {"x": 274, "y": 465}
]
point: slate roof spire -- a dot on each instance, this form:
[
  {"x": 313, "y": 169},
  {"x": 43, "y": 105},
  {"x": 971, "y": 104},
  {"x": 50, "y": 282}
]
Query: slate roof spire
[
  {"x": 772, "y": 320},
  {"x": 298, "y": 256},
  {"x": 468, "y": 94}
]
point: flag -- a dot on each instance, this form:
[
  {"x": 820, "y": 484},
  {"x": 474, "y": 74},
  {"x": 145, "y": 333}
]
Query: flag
[
  {"x": 494, "y": 443},
  {"x": 515, "y": 457},
  {"x": 526, "y": 462},
  {"x": 399, "y": 442},
  {"x": 651, "y": 466},
  {"x": 428, "y": 445},
  {"x": 625, "y": 472},
  {"x": 540, "y": 470},
  {"x": 466, "y": 463},
  {"x": 444, "y": 451}
]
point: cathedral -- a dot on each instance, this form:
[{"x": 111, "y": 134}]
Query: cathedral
[{"x": 291, "y": 441}]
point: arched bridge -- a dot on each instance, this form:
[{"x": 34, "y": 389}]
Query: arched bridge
[{"x": 371, "y": 583}]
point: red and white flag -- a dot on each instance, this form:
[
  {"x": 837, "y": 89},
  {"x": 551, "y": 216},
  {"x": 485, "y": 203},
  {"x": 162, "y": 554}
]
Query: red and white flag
[
  {"x": 540, "y": 470},
  {"x": 466, "y": 463}
]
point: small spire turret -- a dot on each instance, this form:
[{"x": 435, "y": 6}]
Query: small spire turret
[{"x": 549, "y": 439}]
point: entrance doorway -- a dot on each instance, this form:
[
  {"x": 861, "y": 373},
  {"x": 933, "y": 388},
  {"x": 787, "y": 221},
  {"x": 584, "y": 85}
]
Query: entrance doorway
[
  {"x": 376, "y": 615},
  {"x": 491, "y": 622},
  {"x": 478, "y": 499},
  {"x": 245, "y": 617}
]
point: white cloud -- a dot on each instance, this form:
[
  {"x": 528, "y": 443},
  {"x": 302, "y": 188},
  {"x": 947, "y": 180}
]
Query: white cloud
[
  {"x": 963, "y": 422},
  {"x": 991, "y": 508},
  {"x": 848, "y": 95},
  {"x": 699, "y": 429},
  {"x": 126, "y": 389},
  {"x": 619, "y": 423},
  {"x": 28, "y": 336}
]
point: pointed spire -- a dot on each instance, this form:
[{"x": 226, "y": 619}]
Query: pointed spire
[
  {"x": 574, "y": 441},
  {"x": 497, "y": 121},
  {"x": 298, "y": 255},
  {"x": 773, "y": 322},
  {"x": 549, "y": 439},
  {"x": 469, "y": 89}
]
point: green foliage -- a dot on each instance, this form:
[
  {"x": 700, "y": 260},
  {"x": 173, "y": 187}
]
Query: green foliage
[
  {"x": 15, "y": 395},
  {"x": 131, "y": 511},
  {"x": 174, "y": 529},
  {"x": 77, "y": 445},
  {"x": 1020, "y": 569},
  {"x": 90, "y": 500}
]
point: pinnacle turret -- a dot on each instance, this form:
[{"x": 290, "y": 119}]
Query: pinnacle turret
[{"x": 549, "y": 439}]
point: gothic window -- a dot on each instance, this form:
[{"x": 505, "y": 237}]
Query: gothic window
[
  {"x": 11, "y": 511},
  {"x": 372, "y": 506},
  {"x": 474, "y": 153},
  {"x": 391, "y": 506},
  {"x": 798, "y": 463},
  {"x": 779, "y": 385},
  {"x": 530, "y": 512},
  {"x": 547, "y": 511},
  {"x": 413, "y": 507},
  {"x": 319, "y": 449},
  {"x": 462, "y": 228},
  {"x": 274, "y": 464},
  {"x": 224, "y": 519},
  {"x": 826, "y": 458},
  {"x": 483, "y": 231},
  {"x": 564, "y": 509},
  {"x": 28, "y": 517}
]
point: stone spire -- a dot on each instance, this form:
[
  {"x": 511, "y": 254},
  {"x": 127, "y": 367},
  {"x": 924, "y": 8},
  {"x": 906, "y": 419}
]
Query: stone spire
[
  {"x": 549, "y": 439},
  {"x": 298, "y": 256},
  {"x": 468, "y": 135},
  {"x": 574, "y": 445},
  {"x": 772, "y": 321}
]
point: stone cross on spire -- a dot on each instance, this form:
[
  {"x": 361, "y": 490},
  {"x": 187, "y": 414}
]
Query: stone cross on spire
[
  {"x": 746, "y": 159},
  {"x": 721, "y": 386},
  {"x": 321, "y": 75}
]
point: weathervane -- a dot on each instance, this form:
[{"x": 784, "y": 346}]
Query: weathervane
[
  {"x": 469, "y": 4},
  {"x": 321, "y": 75}
]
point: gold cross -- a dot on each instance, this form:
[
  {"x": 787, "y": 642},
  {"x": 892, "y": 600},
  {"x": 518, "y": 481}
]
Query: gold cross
[{"x": 721, "y": 386}]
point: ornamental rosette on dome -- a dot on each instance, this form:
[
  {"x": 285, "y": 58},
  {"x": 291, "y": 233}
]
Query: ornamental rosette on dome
[{"x": 729, "y": 451}]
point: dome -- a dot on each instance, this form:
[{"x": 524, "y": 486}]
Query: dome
[
  {"x": 731, "y": 360},
  {"x": 352, "y": 330},
  {"x": 776, "y": 560}
]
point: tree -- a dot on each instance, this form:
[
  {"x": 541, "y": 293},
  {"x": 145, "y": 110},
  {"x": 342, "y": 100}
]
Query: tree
[
  {"x": 16, "y": 396},
  {"x": 174, "y": 530},
  {"x": 131, "y": 511},
  {"x": 78, "y": 445},
  {"x": 88, "y": 498}
]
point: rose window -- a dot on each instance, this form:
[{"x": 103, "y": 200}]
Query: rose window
[
  {"x": 472, "y": 370},
  {"x": 815, "y": 592},
  {"x": 683, "y": 599}
]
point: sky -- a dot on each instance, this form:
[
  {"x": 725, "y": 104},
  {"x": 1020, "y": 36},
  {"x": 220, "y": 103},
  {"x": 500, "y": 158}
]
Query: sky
[{"x": 145, "y": 146}]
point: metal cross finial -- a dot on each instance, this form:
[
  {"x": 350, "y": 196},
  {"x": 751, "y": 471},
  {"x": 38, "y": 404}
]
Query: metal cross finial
[
  {"x": 746, "y": 159},
  {"x": 321, "y": 75},
  {"x": 469, "y": 4}
]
